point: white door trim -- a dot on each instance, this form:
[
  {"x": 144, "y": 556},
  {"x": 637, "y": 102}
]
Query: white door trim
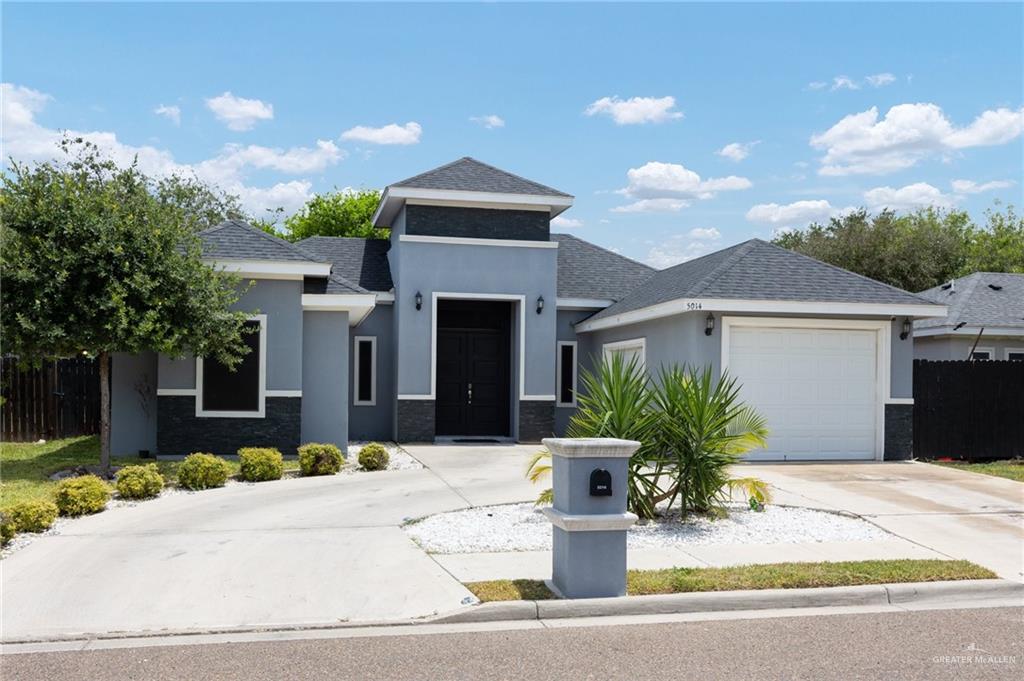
[{"x": 883, "y": 331}]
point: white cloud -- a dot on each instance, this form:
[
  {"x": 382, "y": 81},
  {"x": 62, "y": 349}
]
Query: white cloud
[
  {"x": 636, "y": 110},
  {"x": 239, "y": 113},
  {"x": 880, "y": 79},
  {"x": 737, "y": 151},
  {"x": 489, "y": 121},
  {"x": 26, "y": 140},
  {"x": 799, "y": 213},
  {"x": 862, "y": 144},
  {"x": 917, "y": 195},
  {"x": 844, "y": 83},
  {"x": 972, "y": 187},
  {"x": 817, "y": 85},
  {"x": 388, "y": 134},
  {"x": 676, "y": 250},
  {"x": 704, "y": 234},
  {"x": 563, "y": 222},
  {"x": 171, "y": 113},
  {"x": 669, "y": 187}
]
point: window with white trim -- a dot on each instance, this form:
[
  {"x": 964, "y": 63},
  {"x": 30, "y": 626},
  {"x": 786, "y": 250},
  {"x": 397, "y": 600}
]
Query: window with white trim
[
  {"x": 1015, "y": 354},
  {"x": 566, "y": 374},
  {"x": 628, "y": 349},
  {"x": 364, "y": 371},
  {"x": 982, "y": 353},
  {"x": 237, "y": 391}
]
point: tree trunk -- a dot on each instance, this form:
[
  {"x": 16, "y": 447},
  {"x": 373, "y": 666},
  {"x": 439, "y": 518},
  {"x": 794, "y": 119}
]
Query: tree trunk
[{"x": 104, "y": 360}]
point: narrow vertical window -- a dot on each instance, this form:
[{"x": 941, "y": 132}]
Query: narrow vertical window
[
  {"x": 566, "y": 371},
  {"x": 364, "y": 375}
]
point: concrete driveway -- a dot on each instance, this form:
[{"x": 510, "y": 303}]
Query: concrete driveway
[
  {"x": 955, "y": 513},
  {"x": 298, "y": 551}
]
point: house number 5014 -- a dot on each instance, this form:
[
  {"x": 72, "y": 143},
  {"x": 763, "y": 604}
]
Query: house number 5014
[{"x": 694, "y": 306}]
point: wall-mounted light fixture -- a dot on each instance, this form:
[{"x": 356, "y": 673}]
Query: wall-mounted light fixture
[
  {"x": 419, "y": 300},
  {"x": 907, "y": 326},
  {"x": 540, "y": 304},
  {"x": 709, "y": 324}
]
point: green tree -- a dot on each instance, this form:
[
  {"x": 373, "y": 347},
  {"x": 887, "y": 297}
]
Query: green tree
[
  {"x": 339, "y": 213},
  {"x": 95, "y": 262},
  {"x": 999, "y": 247},
  {"x": 200, "y": 204}
]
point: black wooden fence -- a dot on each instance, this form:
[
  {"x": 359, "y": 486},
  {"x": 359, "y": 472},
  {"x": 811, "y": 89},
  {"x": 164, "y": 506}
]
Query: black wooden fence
[
  {"x": 59, "y": 399},
  {"x": 969, "y": 409}
]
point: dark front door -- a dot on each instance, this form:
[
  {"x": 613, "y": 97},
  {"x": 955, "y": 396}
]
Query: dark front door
[{"x": 473, "y": 380}]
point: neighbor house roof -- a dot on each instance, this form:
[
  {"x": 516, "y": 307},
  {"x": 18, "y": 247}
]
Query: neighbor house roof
[
  {"x": 362, "y": 261},
  {"x": 589, "y": 271},
  {"x": 238, "y": 240},
  {"x": 757, "y": 270},
  {"x": 989, "y": 299},
  {"x": 471, "y": 175}
]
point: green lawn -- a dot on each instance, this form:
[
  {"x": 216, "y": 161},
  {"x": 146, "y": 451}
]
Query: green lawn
[
  {"x": 772, "y": 576},
  {"x": 1012, "y": 469},
  {"x": 25, "y": 467}
]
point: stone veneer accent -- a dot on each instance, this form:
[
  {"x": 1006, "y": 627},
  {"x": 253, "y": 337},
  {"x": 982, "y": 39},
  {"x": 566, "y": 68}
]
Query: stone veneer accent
[
  {"x": 180, "y": 431},
  {"x": 477, "y": 223},
  {"x": 415, "y": 420},
  {"x": 899, "y": 432},
  {"x": 536, "y": 420}
]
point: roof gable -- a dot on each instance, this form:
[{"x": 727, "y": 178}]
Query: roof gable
[
  {"x": 973, "y": 301},
  {"x": 469, "y": 174}
]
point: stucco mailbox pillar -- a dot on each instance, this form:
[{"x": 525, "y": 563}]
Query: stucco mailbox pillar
[{"x": 589, "y": 516}]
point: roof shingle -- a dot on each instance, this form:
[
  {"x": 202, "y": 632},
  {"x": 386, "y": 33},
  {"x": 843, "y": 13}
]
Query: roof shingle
[
  {"x": 361, "y": 261},
  {"x": 469, "y": 174},
  {"x": 973, "y": 302},
  {"x": 238, "y": 240},
  {"x": 589, "y": 271}
]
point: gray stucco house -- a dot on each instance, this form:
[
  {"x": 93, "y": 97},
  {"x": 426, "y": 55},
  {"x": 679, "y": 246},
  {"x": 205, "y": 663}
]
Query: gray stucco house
[
  {"x": 985, "y": 320},
  {"x": 473, "y": 321}
]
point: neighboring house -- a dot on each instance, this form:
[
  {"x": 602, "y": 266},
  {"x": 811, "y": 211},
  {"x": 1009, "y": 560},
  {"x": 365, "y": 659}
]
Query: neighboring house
[
  {"x": 986, "y": 314},
  {"x": 473, "y": 321}
]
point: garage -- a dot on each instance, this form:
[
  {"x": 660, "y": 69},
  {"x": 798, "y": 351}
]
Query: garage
[{"x": 818, "y": 384}]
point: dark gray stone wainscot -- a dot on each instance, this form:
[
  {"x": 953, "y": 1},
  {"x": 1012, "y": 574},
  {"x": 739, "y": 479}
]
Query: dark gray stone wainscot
[
  {"x": 180, "y": 431},
  {"x": 415, "y": 420},
  {"x": 899, "y": 432},
  {"x": 536, "y": 420}
]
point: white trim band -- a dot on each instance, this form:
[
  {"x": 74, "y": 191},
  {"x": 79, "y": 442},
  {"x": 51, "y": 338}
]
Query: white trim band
[
  {"x": 175, "y": 392},
  {"x": 272, "y": 269},
  {"x": 582, "y": 303},
  {"x": 463, "y": 241},
  {"x": 601, "y": 522}
]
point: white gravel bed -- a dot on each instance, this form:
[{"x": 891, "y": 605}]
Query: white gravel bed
[
  {"x": 398, "y": 458},
  {"x": 522, "y": 527}
]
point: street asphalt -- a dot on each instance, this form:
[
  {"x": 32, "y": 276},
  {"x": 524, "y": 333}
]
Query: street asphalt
[{"x": 932, "y": 644}]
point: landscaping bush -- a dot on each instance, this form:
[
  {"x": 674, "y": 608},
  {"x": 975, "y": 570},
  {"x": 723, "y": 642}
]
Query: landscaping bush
[
  {"x": 33, "y": 516},
  {"x": 203, "y": 471},
  {"x": 7, "y": 530},
  {"x": 82, "y": 495},
  {"x": 139, "y": 482},
  {"x": 260, "y": 463},
  {"x": 373, "y": 457},
  {"x": 320, "y": 459}
]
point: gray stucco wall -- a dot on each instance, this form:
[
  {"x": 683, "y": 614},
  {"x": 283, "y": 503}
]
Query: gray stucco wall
[
  {"x": 374, "y": 422},
  {"x": 133, "y": 403},
  {"x": 942, "y": 348},
  {"x": 325, "y": 378}
]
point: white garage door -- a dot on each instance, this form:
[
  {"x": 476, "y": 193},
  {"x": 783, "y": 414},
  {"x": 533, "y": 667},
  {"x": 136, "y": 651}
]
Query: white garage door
[{"x": 816, "y": 388}]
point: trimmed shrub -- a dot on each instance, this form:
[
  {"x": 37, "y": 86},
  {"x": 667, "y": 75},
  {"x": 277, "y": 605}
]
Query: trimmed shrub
[
  {"x": 139, "y": 482},
  {"x": 320, "y": 459},
  {"x": 260, "y": 463},
  {"x": 82, "y": 495},
  {"x": 33, "y": 516},
  {"x": 203, "y": 471},
  {"x": 373, "y": 457},
  {"x": 7, "y": 530}
]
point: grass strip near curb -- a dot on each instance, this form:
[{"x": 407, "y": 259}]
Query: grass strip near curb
[
  {"x": 1012, "y": 469},
  {"x": 25, "y": 467},
  {"x": 741, "y": 577}
]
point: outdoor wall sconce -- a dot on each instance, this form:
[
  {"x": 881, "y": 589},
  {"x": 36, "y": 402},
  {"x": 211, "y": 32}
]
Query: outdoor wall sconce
[
  {"x": 709, "y": 324},
  {"x": 906, "y": 328},
  {"x": 419, "y": 300},
  {"x": 540, "y": 304}
]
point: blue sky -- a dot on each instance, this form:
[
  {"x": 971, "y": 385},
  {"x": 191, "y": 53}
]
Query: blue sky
[{"x": 630, "y": 108}]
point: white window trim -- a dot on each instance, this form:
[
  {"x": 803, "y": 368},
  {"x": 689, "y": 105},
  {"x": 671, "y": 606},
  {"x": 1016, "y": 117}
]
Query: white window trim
[
  {"x": 259, "y": 413},
  {"x": 883, "y": 358},
  {"x": 1007, "y": 351},
  {"x": 558, "y": 374},
  {"x": 372, "y": 402},
  {"x": 990, "y": 350},
  {"x": 472, "y": 241},
  {"x": 641, "y": 343}
]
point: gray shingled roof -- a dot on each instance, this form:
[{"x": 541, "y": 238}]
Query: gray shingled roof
[
  {"x": 973, "y": 301},
  {"x": 757, "y": 270},
  {"x": 238, "y": 240},
  {"x": 589, "y": 271},
  {"x": 469, "y": 174},
  {"x": 362, "y": 261}
]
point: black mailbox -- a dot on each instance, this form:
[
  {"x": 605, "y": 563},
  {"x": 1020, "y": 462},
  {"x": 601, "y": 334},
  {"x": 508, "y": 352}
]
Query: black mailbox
[{"x": 600, "y": 483}]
